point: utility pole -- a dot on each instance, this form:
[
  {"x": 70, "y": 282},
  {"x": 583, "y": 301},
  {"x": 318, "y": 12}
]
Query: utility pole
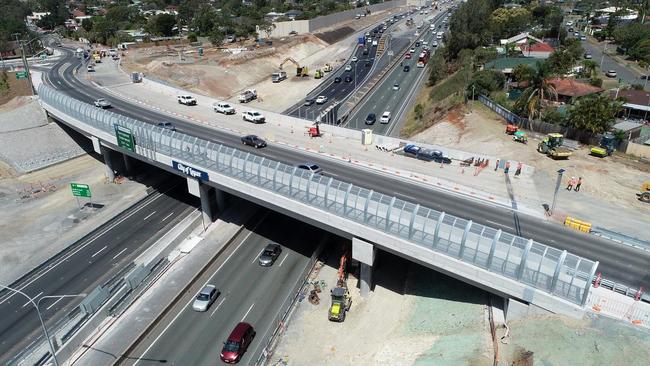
[{"x": 557, "y": 188}]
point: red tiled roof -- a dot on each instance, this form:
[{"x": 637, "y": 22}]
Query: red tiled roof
[
  {"x": 573, "y": 88},
  {"x": 537, "y": 47},
  {"x": 78, "y": 13}
]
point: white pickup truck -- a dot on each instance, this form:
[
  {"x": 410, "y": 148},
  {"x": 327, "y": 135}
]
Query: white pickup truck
[
  {"x": 223, "y": 107},
  {"x": 247, "y": 96},
  {"x": 186, "y": 99},
  {"x": 253, "y": 116}
]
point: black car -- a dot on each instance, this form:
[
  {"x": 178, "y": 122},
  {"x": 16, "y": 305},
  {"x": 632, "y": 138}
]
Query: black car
[
  {"x": 167, "y": 126},
  {"x": 368, "y": 63},
  {"x": 269, "y": 255},
  {"x": 254, "y": 141},
  {"x": 337, "y": 79},
  {"x": 365, "y": 51},
  {"x": 310, "y": 101},
  {"x": 432, "y": 155},
  {"x": 407, "y": 68},
  {"x": 348, "y": 79},
  {"x": 371, "y": 119}
]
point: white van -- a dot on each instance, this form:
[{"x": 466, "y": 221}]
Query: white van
[{"x": 439, "y": 35}]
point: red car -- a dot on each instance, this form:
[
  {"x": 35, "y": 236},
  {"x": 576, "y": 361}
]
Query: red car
[
  {"x": 408, "y": 56},
  {"x": 238, "y": 341}
]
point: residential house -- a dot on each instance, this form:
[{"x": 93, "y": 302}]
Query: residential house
[
  {"x": 569, "y": 89},
  {"x": 273, "y": 16},
  {"x": 293, "y": 14},
  {"x": 35, "y": 17},
  {"x": 637, "y": 103},
  {"x": 507, "y": 64},
  {"x": 537, "y": 50},
  {"x": 521, "y": 38}
]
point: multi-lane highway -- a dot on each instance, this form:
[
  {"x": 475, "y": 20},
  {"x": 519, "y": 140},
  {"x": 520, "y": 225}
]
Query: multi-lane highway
[
  {"x": 249, "y": 293},
  {"x": 396, "y": 88},
  {"x": 91, "y": 261},
  {"x": 617, "y": 263},
  {"x": 343, "y": 82}
]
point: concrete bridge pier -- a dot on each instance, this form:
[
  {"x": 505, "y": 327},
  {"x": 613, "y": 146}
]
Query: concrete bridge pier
[
  {"x": 204, "y": 192},
  {"x": 364, "y": 252},
  {"x": 110, "y": 173},
  {"x": 128, "y": 164}
]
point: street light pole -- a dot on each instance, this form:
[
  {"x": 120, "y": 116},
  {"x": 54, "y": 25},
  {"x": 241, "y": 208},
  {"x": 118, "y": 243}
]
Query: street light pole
[
  {"x": 602, "y": 57},
  {"x": 40, "y": 317},
  {"x": 557, "y": 188}
]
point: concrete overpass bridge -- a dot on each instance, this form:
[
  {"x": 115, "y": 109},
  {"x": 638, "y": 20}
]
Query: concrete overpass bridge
[{"x": 497, "y": 261}]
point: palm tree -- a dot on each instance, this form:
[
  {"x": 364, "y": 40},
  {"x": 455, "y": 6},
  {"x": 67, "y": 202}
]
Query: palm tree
[
  {"x": 589, "y": 66},
  {"x": 538, "y": 91}
]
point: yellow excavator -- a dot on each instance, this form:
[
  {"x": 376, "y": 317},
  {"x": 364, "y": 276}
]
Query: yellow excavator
[
  {"x": 300, "y": 70},
  {"x": 341, "y": 300},
  {"x": 327, "y": 68},
  {"x": 318, "y": 74}
]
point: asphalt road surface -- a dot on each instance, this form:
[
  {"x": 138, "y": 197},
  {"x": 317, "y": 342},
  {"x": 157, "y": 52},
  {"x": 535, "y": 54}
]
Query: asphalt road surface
[
  {"x": 618, "y": 263},
  {"x": 91, "y": 261},
  {"x": 388, "y": 98},
  {"x": 249, "y": 293}
]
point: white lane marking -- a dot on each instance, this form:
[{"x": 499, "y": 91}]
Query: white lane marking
[
  {"x": 218, "y": 305},
  {"x": 99, "y": 251},
  {"x": 118, "y": 254},
  {"x": 257, "y": 256},
  {"x": 192, "y": 299},
  {"x": 33, "y": 298},
  {"x": 249, "y": 310},
  {"x": 283, "y": 259},
  {"x": 166, "y": 217},
  {"x": 83, "y": 246},
  {"x": 54, "y": 303},
  {"x": 148, "y": 216}
]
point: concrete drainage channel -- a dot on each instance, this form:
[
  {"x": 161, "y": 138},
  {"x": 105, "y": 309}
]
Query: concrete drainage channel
[{"x": 108, "y": 300}]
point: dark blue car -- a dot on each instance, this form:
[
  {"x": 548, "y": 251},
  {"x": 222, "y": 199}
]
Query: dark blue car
[
  {"x": 412, "y": 150},
  {"x": 432, "y": 155}
]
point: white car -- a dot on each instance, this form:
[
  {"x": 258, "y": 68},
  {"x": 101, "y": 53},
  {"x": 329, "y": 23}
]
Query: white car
[
  {"x": 395, "y": 86},
  {"x": 205, "y": 298},
  {"x": 412, "y": 50},
  {"x": 611, "y": 73},
  {"x": 348, "y": 67},
  {"x": 253, "y": 116},
  {"x": 354, "y": 59},
  {"x": 321, "y": 99},
  {"x": 385, "y": 118},
  {"x": 223, "y": 107},
  {"x": 102, "y": 103}
]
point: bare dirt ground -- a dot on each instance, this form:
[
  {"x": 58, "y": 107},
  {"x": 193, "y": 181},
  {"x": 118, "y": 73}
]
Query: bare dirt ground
[
  {"x": 225, "y": 72},
  {"x": 614, "y": 180}
]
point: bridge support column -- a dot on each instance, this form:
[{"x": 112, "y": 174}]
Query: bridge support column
[
  {"x": 110, "y": 173},
  {"x": 220, "y": 199},
  {"x": 204, "y": 192},
  {"x": 128, "y": 164},
  {"x": 364, "y": 252}
]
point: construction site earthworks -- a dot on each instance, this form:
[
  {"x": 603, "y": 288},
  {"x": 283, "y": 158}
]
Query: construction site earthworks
[{"x": 225, "y": 71}]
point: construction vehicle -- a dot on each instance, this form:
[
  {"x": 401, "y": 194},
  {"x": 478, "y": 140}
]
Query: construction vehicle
[
  {"x": 552, "y": 146},
  {"x": 318, "y": 74},
  {"x": 327, "y": 68},
  {"x": 644, "y": 195},
  {"x": 300, "y": 70},
  {"x": 520, "y": 136},
  {"x": 511, "y": 129},
  {"x": 314, "y": 131},
  {"x": 606, "y": 147},
  {"x": 341, "y": 300}
]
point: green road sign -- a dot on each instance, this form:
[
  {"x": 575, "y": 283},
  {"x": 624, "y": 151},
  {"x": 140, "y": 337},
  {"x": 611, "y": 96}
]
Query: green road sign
[
  {"x": 21, "y": 75},
  {"x": 124, "y": 138},
  {"x": 80, "y": 190}
]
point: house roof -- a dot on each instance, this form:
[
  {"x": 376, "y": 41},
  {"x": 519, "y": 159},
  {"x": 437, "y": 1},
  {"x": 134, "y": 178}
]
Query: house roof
[
  {"x": 518, "y": 38},
  {"x": 636, "y": 99},
  {"x": 627, "y": 126},
  {"x": 537, "y": 47},
  {"x": 573, "y": 88},
  {"x": 510, "y": 63}
]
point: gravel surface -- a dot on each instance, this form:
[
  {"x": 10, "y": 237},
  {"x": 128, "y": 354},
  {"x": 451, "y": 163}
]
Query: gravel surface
[{"x": 21, "y": 113}]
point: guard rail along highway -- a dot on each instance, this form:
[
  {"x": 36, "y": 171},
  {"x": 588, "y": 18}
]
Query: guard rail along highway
[{"x": 497, "y": 261}]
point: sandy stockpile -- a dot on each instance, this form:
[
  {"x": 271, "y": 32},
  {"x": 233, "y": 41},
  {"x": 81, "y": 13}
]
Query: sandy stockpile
[
  {"x": 219, "y": 73},
  {"x": 557, "y": 340},
  {"x": 615, "y": 179}
]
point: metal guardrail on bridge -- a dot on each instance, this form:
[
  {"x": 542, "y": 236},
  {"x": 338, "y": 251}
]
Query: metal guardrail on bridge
[{"x": 528, "y": 262}]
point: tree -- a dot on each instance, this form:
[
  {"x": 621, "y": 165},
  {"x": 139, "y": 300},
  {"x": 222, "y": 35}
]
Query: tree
[
  {"x": 161, "y": 24},
  {"x": 593, "y": 113},
  {"x": 216, "y": 36},
  {"x": 589, "y": 67},
  {"x": 486, "y": 81},
  {"x": 267, "y": 27},
  {"x": 437, "y": 68},
  {"x": 560, "y": 62},
  {"x": 419, "y": 111},
  {"x": 641, "y": 51},
  {"x": 87, "y": 24},
  {"x": 532, "y": 100},
  {"x": 204, "y": 19},
  {"x": 523, "y": 72}
]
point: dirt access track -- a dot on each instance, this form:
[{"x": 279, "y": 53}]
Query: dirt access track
[{"x": 223, "y": 72}]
